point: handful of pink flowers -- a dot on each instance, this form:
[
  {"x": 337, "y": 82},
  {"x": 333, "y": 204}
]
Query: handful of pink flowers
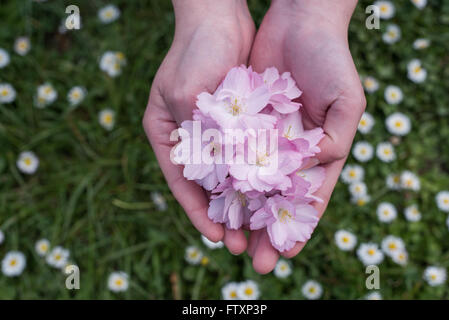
[{"x": 248, "y": 147}]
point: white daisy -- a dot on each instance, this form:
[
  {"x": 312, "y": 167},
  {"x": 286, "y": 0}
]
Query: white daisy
[
  {"x": 4, "y": 58},
  {"x": 352, "y": 173},
  {"x": 212, "y": 245},
  {"x": 391, "y": 244},
  {"x": 42, "y": 247},
  {"x": 159, "y": 201},
  {"x": 108, "y": 14},
  {"x": 393, "y": 181},
  {"x": 22, "y": 45},
  {"x": 361, "y": 200},
  {"x": 375, "y": 295},
  {"x": 385, "y": 152},
  {"x": 370, "y": 84},
  {"x": 2, "y": 236},
  {"x": 398, "y": 124},
  {"x": 442, "y": 199},
  {"x": 193, "y": 255},
  {"x": 370, "y": 254},
  {"x": 345, "y": 240},
  {"x": 357, "y": 189},
  {"x": 421, "y": 43},
  {"x": 386, "y": 9},
  {"x": 230, "y": 291},
  {"x": 112, "y": 62},
  {"x": 312, "y": 290},
  {"x": 13, "y": 263},
  {"x": 416, "y": 72},
  {"x": 435, "y": 276},
  {"x": 393, "y": 94},
  {"x": 282, "y": 269},
  {"x": 386, "y": 212},
  {"x": 392, "y": 34},
  {"x": 400, "y": 257},
  {"x": 420, "y": 4},
  {"x": 58, "y": 257},
  {"x": 7, "y": 93},
  {"x": 248, "y": 290},
  {"x": 76, "y": 95},
  {"x": 46, "y": 95},
  {"x": 366, "y": 123},
  {"x": 27, "y": 162},
  {"x": 412, "y": 213},
  {"x": 106, "y": 118},
  {"x": 118, "y": 281},
  {"x": 410, "y": 181},
  {"x": 362, "y": 151}
]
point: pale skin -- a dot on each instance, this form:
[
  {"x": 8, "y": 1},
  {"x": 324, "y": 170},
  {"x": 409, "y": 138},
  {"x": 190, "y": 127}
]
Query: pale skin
[{"x": 307, "y": 38}]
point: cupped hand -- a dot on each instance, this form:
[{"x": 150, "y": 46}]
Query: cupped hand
[
  {"x": 210, "y": 38},
  {"x": 312, "y": 44}
]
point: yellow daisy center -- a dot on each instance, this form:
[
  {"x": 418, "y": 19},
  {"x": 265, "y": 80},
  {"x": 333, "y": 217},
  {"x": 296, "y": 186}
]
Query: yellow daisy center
[
  {"x": 119, "y": 282},
  {"x": 107, "y": 118},
  {"x": 27, "y": 161},
  {"x": 249, "y": 291},
  {"x": 204, "y": 261},
  {"x": 371, "y": 252},
  {"x": 5, "y": 92},
  {"x": 13, "y": 262}
]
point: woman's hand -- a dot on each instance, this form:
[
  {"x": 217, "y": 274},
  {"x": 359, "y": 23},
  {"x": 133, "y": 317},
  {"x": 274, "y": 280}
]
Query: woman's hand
[
  {"x": 211, "y": 37},
  {"x": 309, "y": 39}
]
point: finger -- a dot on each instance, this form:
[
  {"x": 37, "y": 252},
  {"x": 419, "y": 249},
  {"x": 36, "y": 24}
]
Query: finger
[
  {"x": 158, "y": 125},
  {"x": 339, "y": 127},
  {"x": 235, "y": 241},
  {"x": 254, "y": 237},
  {"x": 332, "y": 173},
  {"x": 265, "y": 256}
]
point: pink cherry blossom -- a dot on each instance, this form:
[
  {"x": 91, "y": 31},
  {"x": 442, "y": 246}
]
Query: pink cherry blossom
[
  {"x": 206, "y": 174},
  {"x": 237, "y": 103},
  {"x": 229, "y": 206},
  {"x": 283, "y": 90},
  {"x": 304, "y": 184},
  {"x": 286, "y": 222}
]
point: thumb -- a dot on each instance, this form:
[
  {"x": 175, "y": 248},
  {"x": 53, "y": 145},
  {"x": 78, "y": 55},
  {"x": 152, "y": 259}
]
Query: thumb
[{"x": 340, "y": 126}]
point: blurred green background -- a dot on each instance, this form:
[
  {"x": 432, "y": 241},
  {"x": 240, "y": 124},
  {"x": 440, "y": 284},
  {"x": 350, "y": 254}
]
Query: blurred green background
[{"x": 92, "y": 191}]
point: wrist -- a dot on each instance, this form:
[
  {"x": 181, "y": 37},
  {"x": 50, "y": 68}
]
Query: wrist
[
  {"x": 191, "y": 12},
  {"x": 336, "y": 12}
]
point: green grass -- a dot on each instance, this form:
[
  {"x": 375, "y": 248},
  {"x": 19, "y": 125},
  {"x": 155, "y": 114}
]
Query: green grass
[{"x": 91, "y": 193}]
